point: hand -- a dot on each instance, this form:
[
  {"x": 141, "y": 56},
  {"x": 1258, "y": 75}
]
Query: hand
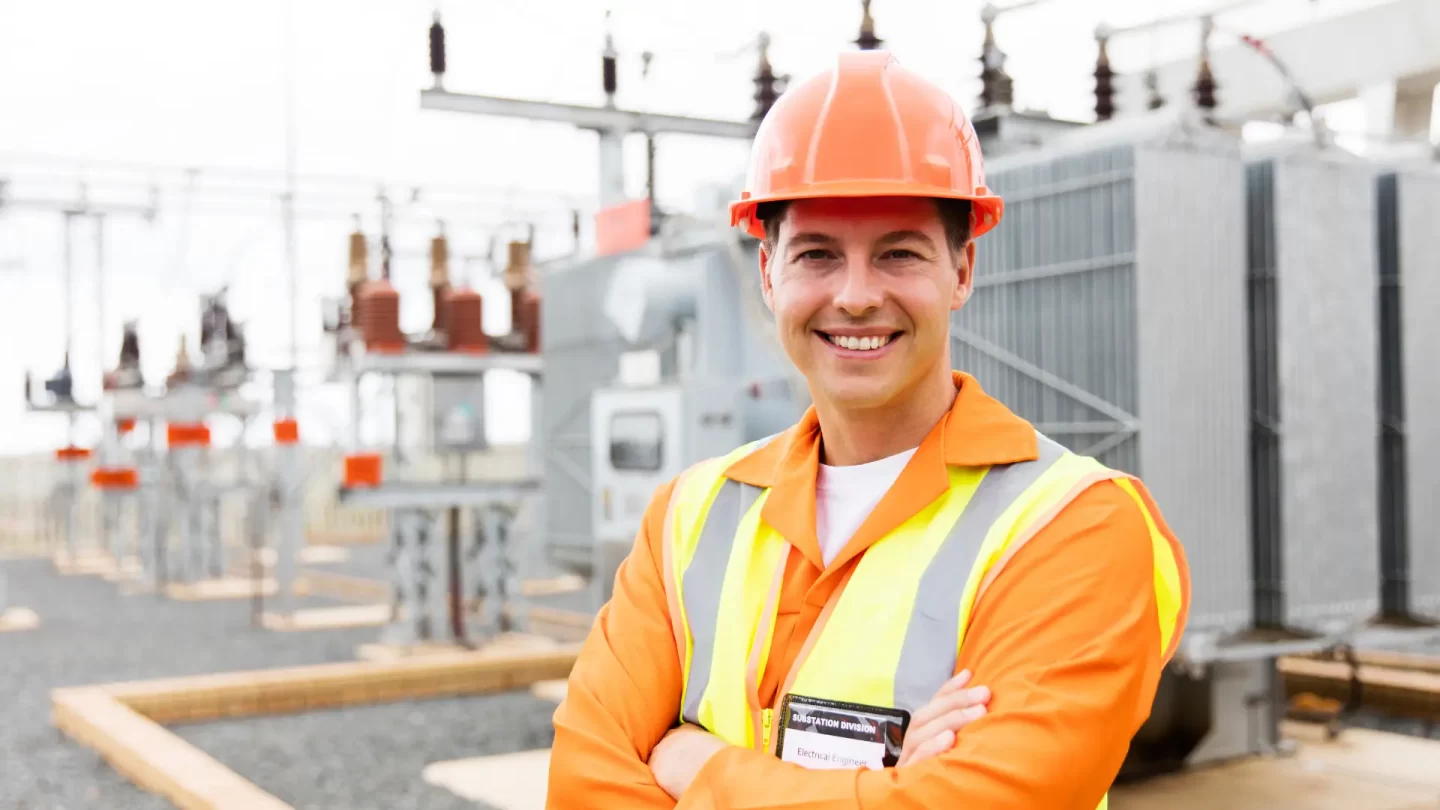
[
  {"x": 680, "y": 755},
  {"x": 932, "y": 729}
]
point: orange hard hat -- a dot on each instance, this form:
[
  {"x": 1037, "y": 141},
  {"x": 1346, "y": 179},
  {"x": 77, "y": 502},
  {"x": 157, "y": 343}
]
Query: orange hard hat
[{"x": 866, "y": 128}]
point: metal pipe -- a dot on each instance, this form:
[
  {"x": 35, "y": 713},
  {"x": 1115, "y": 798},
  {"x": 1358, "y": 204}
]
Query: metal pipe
[
  {"x": 288, "y": 200},
  {"x": 100, "y": 304}
]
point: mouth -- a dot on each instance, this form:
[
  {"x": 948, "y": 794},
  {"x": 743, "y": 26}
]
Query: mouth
[{"x": 861, "y": 346}]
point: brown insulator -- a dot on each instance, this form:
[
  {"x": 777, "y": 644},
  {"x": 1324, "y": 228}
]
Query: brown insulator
[
  {"x": 867, "y": 41},
  {"x": 766, "y": 93},
  {"x": 359, "y": 272},
  {"x": 439, "y": 297},
  {"x": 1104, "y": 83},
  {"x": 525, "y": 317},
  {"x": 517, "y": 270},
  {"x": 465, "y": 315},
  {"x": 380, "y": 317},
  {"x": 997, "y": 89},
  {"x": 1205, "y": 88},
  {"x": 359, "y": 259},
  {"x": 439, "y": 280}
]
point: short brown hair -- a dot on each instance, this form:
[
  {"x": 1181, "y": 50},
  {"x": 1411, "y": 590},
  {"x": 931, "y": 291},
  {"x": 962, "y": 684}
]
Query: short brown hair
[{"x": 954, "y": 215}]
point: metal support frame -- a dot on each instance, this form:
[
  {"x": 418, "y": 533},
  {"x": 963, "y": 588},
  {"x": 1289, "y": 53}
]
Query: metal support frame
[
  {"x": 610, "y": 123},
  {"x": 1125, "y": 425},
  {"x": 425, "y": 529}
]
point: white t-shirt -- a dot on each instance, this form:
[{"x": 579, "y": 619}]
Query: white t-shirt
[{"x": 845, "y": 496}]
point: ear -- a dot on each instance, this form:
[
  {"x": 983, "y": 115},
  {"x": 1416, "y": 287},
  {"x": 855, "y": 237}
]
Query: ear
[
  {"x": 965, "y": 271},
  {"x": 765, "y": 289}
]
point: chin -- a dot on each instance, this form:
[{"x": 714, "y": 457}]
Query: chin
[{"x": 860, "y": 392}]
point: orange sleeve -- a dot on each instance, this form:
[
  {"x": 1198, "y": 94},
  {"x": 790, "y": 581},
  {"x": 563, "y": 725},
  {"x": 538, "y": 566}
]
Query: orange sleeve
[
  {"x": 1067, "y": 639},
  {"x": 624, "y": 691}
]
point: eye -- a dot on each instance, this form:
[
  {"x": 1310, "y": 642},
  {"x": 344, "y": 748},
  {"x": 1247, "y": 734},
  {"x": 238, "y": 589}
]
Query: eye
[
  {"x": 814, "y": 255},
  {"x": 900, "y": 253}
]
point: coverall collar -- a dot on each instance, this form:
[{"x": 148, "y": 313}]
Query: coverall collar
[{"x": 977, "y": 431}]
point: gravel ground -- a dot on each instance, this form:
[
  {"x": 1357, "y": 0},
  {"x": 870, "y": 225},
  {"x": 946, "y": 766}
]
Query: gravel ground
[
  {"x": 90, "y": 634},
  {"x": 371, "y": 758}
]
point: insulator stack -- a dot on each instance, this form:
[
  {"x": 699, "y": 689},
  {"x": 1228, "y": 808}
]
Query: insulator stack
[
  {"x": 465, "y": 317},
  {"x": 380, "y": 317},
  {"x": 130, "y": 346},
  {"x": 439, "y": 281},
  {"x": 1104, "y": 83},
  {"x": 1205, "y": 86},
  {"x": 437, "y": 49},
  {"x": 359, "y": 273},
  {"x": 517, "y": 270},
  {"x": 997, "y": 90},
  {"x": 182, "y": 364},
  {"x": 766, "y": 93},
  {"x": 525, "y": 317},
  {"x": 867, "y": 41}
]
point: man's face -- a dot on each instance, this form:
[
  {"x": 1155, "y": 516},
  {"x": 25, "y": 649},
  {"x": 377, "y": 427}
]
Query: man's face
[{"x": 862, "y": 290}]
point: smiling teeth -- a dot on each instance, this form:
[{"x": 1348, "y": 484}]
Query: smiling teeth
[{"x": 862, "y": 344}]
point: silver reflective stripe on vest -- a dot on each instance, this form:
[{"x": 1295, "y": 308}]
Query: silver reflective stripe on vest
[
  {"x": 702, "y": 582},
  {"x": 927, "y": 658}
]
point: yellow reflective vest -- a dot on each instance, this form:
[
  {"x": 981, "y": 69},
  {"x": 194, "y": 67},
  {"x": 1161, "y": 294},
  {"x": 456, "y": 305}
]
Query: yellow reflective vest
[{"x": 891, "y": 637}]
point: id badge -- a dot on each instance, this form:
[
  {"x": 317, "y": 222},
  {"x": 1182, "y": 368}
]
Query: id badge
[{"x": 827, "y": 734}]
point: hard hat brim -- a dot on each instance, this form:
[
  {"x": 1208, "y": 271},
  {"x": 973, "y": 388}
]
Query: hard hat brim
[{"x": 988, "y": 208}]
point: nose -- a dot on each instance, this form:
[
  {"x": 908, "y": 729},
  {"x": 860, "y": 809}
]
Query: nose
[{"x": 860, "y": 291}]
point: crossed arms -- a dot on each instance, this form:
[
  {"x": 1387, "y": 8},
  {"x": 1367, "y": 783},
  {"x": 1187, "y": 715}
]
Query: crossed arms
[{"x": 1067, "y": 641}]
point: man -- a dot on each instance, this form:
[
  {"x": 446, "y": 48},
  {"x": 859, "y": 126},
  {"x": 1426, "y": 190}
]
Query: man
[{"x": 785, "y": 631}]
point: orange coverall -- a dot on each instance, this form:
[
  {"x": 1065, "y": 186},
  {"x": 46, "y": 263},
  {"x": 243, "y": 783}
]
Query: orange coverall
[{"x": 1067, "y": 639}]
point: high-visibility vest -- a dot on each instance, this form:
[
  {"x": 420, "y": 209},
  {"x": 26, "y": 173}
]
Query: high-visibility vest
[{"x": 891, "y": 637}]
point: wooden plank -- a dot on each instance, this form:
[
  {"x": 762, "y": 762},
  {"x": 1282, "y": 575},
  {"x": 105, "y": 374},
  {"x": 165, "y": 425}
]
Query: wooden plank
[
  {"x": 87, "y": 562},
  {"x": 1394, "y": 660},
  {"x": 153, "y": 758},
  {"x": 1405, "y": 693},
  {"x": 1369, "y": 769},
  {"x": 216, "y": 590},
  {"x": 343, "y": 587},
  {"x": 553, "y": 691},
  {"x": 342, "y": 617},
  {"x": 507, "y": 642},
  {"x": 18, "y": 619},
  {"x": 128, "y": 570},
  {"x": 323, "y": 686},
  {"x": 567, "y": 583},
  {"x": 506, "y": 782},
  {"x": 322, "y": 555},
  {"x": 307, "y": 555}
]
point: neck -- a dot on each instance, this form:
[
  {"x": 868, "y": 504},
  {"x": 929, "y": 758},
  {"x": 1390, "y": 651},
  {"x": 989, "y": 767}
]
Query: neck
[{"x": 861, "y": 435}]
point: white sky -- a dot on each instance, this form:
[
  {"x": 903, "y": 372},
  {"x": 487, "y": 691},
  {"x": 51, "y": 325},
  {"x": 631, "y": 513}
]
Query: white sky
[{"x": 197, "y": 83}]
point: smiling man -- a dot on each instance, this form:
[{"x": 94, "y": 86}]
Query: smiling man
[{"x": 910, "y": 598}]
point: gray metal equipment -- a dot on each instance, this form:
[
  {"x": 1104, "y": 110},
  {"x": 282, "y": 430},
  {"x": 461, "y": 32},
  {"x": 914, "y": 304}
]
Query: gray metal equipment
[
  {"x": 1314, "y": 371},
  {"x": 1408, "y": 201},
  {"x": 1109, "y": 310},
  {"x": 689, "y": 301},
  {"x": 641, "y": 439}
]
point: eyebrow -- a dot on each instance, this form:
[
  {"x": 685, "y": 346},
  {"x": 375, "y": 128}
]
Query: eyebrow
[{"x": 894, "y": 237}]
